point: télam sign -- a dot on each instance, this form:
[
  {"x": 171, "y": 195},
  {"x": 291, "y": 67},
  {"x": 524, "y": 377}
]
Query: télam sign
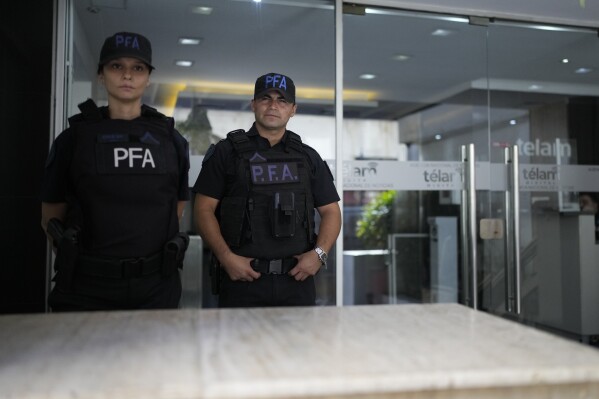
[
  {"x": 394, "y": 175},
  {"x": 432, "y": 176}
]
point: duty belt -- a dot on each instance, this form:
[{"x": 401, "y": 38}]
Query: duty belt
[
  {"x": 119, "y": 268},
  {"x": 273, "y": 266}
]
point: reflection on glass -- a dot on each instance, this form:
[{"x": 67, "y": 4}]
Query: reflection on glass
[{"x": 493, "y": 86}]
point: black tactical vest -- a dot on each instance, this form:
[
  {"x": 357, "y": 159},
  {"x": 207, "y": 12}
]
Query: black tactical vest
[
  {"x": 276, "y": 217},
  {"x": 125, "y": 179}
]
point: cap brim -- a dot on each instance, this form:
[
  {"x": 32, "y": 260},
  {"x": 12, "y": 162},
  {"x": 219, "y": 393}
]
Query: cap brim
[
  {"x": 285, "y": 95},
  {"x": 136, "y": 56}
]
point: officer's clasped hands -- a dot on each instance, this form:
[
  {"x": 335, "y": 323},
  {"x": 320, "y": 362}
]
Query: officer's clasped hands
[
  {"x": 308, "y": 265},
  {"x": 239, "y": 268}
]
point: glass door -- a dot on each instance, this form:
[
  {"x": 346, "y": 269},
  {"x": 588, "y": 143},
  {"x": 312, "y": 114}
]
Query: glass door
[
  {"x": 408, "y": 144},
  {"x": 467, "y": 164},
  {"x": 543, "y": 108}
]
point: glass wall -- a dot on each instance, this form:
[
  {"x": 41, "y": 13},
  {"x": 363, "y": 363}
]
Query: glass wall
[
  {"x": 425, "y": 97},
  {"x": 231, "y": 43}
]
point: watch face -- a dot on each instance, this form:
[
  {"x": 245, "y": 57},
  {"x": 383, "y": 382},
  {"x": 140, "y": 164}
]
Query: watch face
[{"x": 321, "y": 254}]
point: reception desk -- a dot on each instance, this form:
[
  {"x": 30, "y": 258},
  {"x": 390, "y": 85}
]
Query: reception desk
[{"x": 385, "y": 351}]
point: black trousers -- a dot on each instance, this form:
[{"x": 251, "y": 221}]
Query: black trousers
[
  {"x": 268, "y": 290},
  {"x": 101, "y": 293}
]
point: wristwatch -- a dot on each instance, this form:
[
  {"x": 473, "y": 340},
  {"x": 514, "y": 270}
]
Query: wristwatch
[{"x": 322, "y": 255}]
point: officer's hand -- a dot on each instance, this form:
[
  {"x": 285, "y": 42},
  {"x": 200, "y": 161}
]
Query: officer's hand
[
  {"x": 308, "y": 265},
  {"x": 238, "y": 268}
]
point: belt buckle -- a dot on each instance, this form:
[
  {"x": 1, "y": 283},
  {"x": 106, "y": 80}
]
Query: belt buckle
[
  {"x": 132, "y": 267},
  {"x": 275, "y": 266}
]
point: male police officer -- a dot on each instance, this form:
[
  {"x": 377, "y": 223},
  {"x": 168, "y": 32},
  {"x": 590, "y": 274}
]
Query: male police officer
[
  {"x": 114, "y": 189},
  {"x": 255, "y": 201}
]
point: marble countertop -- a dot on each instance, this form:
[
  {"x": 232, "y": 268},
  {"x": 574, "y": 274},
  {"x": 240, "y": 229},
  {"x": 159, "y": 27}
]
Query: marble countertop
[{"x": 404, "y": 351}]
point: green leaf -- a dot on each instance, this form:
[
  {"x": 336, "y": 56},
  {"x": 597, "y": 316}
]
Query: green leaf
[{"x": 375, "y": 224}]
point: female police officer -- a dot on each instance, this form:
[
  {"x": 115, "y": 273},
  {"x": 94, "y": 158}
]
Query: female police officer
[
  {"x": 264, "y": 186},
  {"x": 114, "y": 189}
]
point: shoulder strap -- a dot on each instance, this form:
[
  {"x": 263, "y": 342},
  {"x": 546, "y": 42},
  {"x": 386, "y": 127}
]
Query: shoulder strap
[
  {"x": 151, "y": 112},
  {"x": 241, "y": 142},
  {"x": 294, "y": 142},
  {"x": 89, "y": 112},
  {"x": 181, "y": 144},
  {"x": 75, "y": 119}
]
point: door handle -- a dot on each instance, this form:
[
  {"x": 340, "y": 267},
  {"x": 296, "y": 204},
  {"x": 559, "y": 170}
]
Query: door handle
[
  {"x": 468, "y": 230},
  {"x": 513, "y": 298}
]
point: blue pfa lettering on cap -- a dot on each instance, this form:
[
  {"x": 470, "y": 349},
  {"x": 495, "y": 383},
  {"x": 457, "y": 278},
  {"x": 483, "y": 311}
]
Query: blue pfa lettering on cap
[
  {"x": 275, "y": 82},
  {"x": 126, "y": 44},
  {"x": 126, "y": 41}
]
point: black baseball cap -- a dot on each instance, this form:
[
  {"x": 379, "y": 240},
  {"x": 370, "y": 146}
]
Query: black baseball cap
[
  {"x": 126, "y": 44},
  {"x": 275, "y": 81}
]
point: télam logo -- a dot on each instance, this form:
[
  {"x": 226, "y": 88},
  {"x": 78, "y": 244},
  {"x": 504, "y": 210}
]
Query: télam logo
[
  {"x": 442, "y": 178},
  {"x": 536, "y": 173},
  {"x": 540, "y": 177},
  {"x": 437, "y": 176},
  {"x": 544, "y": 148}
]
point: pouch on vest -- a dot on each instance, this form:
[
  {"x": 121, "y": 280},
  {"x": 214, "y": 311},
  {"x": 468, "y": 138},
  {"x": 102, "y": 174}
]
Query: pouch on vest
[
  {"x": 232, "y": 225},
  {"x": 283, "y": 216}
]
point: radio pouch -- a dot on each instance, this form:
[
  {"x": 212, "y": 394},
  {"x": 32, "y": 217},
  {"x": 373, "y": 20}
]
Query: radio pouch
[{"x": 283, "y": 221}]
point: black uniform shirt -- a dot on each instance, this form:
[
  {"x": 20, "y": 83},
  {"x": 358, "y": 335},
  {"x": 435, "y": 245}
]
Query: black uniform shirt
[{"x": 221, "y": 159}]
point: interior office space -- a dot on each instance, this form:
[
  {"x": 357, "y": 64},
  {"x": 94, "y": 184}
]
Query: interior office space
[{"x": 444, "y": 77}]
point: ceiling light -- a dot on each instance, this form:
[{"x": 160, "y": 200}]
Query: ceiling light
[
  {"x": 438, "y": 137},
  {"x": 583, "y": 70},
  {"x": 553, "y": 28},
  {"x": 535, "y": 87},
  {"x": 513, "y": 122},
  {"x": 367, "y": 76},
  {"x": 257, "y": 1},
  {"x": 565, "y": 61},
  {"x": 401, "y": 57},
  {"x": 571, "y": 29},
  {"x": 201, "y": 10},
  {"x": 441, "y": 32},
  {"x": 189, "y": 40},
  {"x": 411, "y": 14},
  {"x": 184, "y": 63}
]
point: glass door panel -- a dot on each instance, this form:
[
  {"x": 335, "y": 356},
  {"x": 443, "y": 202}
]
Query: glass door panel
[
  {"x": 410, "y": 104},
  {"x": 544, "y": 100}
]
